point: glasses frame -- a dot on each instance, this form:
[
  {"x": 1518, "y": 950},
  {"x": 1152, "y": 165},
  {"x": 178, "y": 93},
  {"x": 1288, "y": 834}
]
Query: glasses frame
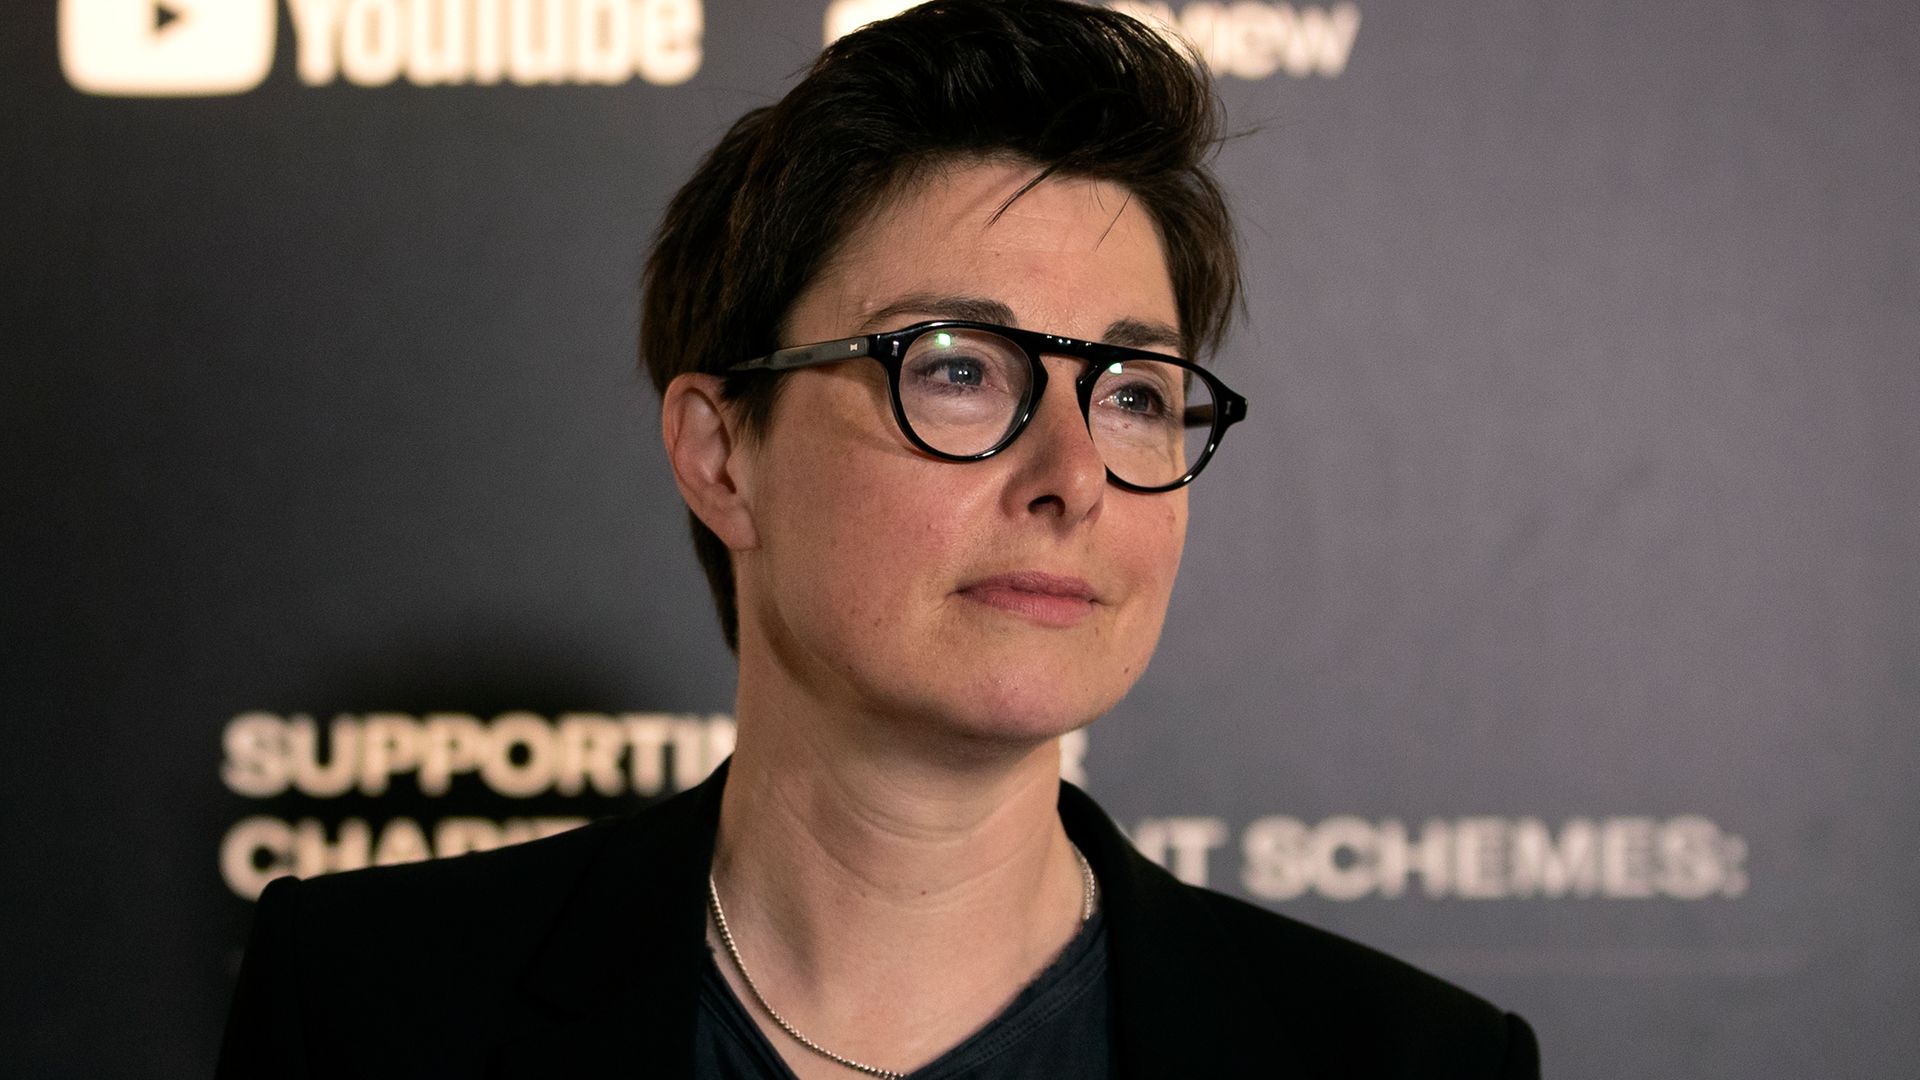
[{"x": 890, "y": 349}]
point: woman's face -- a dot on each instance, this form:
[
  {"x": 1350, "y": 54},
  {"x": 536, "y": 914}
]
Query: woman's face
[{"x": 1013, "y": 598}]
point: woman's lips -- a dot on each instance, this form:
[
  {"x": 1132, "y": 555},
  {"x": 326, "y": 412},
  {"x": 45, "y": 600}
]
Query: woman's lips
[{"x": 1048, "y": 599}]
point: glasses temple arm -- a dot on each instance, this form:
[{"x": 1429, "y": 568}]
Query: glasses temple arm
[{"x": 825, "y": 352}]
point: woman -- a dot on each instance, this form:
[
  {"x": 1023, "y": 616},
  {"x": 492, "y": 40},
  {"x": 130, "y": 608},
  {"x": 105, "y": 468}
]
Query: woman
[{"x": 918, "y": 331}]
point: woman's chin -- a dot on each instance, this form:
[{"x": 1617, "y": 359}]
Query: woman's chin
[{"x": 1010, "y": 718}]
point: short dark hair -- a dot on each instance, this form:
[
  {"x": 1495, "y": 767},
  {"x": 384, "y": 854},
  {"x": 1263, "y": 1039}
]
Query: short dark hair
[{"x": 1074, "y": 90}]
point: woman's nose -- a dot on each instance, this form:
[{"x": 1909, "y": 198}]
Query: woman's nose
[{"x": 1059, "y": 468}]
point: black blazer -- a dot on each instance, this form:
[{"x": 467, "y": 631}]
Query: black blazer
[{"x": 581, "y": 954}]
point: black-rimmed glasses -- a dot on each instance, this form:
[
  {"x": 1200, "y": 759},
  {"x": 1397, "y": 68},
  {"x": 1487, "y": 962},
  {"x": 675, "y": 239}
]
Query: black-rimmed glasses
[{"x": 963, "y": 391}]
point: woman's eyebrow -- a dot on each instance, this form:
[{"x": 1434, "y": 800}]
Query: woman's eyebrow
[
  {"x": 969, "y": 308},
  {"x": 1141, "y": 334},
  {"x": 1132, "y": 333}
]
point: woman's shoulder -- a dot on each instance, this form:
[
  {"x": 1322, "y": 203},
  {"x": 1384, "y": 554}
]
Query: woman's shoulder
[
  {"x": 471, "y": 911},
  {"x": 518, "y": 882},
  {"x": 482, "y": 881},
  {"x": 1278, "y": 945},
  {"x": 432, "y": 968},
  {"x": 1363, "y": 1001},
  {"x": 1257, "y": 985}
]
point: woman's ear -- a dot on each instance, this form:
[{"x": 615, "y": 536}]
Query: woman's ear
[{"x": 704, "y": 445}]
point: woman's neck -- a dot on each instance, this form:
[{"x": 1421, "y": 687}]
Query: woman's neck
[{"x": 884, "y": 900}]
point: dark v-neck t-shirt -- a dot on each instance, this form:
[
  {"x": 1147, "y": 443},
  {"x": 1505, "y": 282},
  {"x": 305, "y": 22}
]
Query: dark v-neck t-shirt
[{"x": 1056, "y": 1029}]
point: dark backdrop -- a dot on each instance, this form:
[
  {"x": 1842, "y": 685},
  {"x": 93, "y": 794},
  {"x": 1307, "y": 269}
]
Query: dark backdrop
[{"x": 1553, "y": 621}]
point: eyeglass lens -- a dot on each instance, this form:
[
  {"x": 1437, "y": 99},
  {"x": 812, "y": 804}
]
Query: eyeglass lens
[{"x": 963, "y": 390}]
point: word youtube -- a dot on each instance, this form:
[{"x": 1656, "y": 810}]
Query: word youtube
[{"x": 187, "y": 48}]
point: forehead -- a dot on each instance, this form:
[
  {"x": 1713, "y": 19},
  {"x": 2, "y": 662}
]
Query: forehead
[{"x": 1067, "y": 254}]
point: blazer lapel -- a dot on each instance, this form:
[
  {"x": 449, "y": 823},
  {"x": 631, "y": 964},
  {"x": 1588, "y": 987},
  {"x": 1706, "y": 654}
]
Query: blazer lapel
[
  {"x": 1179, "y": 990},
  {"x": 614, "y": 989}
]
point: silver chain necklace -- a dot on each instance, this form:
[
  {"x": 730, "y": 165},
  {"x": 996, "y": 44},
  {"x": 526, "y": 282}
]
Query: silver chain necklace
[{"x": 1090, "y": 889}]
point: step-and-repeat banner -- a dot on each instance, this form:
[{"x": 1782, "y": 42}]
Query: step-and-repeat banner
[{"x": 1555, "y": 623}]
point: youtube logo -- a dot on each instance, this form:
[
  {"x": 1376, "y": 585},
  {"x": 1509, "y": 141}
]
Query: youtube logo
[{"x": 166, "y": 48}]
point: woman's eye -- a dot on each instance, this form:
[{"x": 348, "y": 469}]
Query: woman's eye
[
  {"x": 961, "y": 371},
  {"x": 952, "y": 371},
  {"x": 1137, "y": 399}
]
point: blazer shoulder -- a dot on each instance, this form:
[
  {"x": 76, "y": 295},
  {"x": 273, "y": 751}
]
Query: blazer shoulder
[
  {"x": 468, "y": 924},
  {"x": 433, "y": 968},
  {"x": 500, "y": 880},
  {"x": 1337, "y": 962},
  {"x": 1404, "y": 1016}
]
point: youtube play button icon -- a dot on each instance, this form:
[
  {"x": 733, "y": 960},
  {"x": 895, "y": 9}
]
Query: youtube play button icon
[{"x": 166, "y": 48}]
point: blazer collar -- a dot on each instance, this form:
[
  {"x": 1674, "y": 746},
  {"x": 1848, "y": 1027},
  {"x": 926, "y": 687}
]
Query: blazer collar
[
  {"x": 617, "y": 982},
  {"x": 1179, "y": 995}
]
